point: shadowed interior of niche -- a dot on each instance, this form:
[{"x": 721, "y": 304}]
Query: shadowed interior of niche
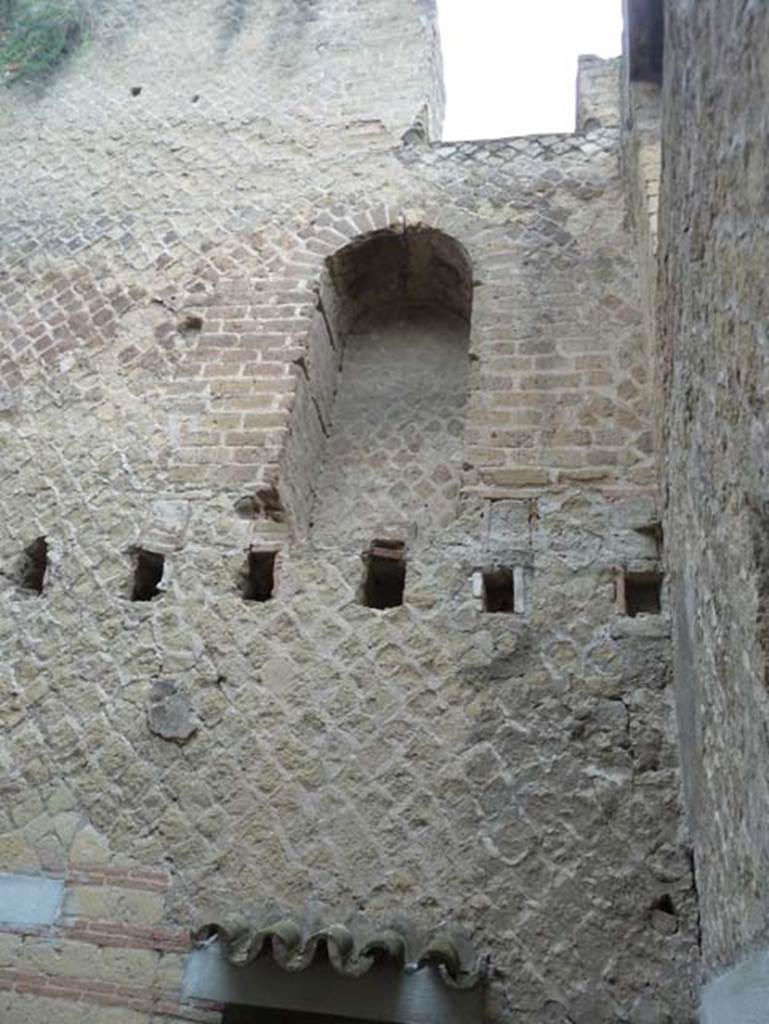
[
  {"x": 498, "y": 590},
  {"x": 417, "y": 267},
  {"x": 643, "y": 593},
  {"x": 664, "y": 903},
  {"x": 148, "y": 574},
  {"x": 33, "y": 566},
  {"x": 257, "y": 581},
  {"x": 385, "y": 574}
]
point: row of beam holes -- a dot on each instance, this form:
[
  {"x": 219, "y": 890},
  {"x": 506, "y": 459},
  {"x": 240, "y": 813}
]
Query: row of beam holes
[
  {"x": 383, "y": 584},
  {"x": 385, "y": 580},
  {"x": 386, "y": 577},
  {"x": 257, "y": 580}
]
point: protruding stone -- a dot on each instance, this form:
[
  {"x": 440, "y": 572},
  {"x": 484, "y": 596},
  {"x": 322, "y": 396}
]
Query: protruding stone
[{"x": 169, "y": 712}]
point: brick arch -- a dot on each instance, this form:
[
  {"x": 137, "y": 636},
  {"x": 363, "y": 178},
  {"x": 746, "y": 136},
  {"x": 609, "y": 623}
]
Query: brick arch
[
  {"x": 411, "y": 265},
  {"x": 240, "y": 379}
]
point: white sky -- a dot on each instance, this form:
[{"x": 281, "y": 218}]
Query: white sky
[{"x": 511, "y": 65}]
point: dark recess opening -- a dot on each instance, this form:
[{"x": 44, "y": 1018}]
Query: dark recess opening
[
  {"x": 665, "y": 904},
  {"x": 498, "y": 592},
  {"x": 191, "y": 324},
  {"x": 646, "y": 38},
  {"x": 234, "y": 1014},
  {"x": 147, "y": 575},
  {"x": 664, "y": 918},
  {"x": 385, "y": 574},
  {"x": 643, "y": 593},
  {"x": 258, "y": 579},
  {"x": 34, "y": 563}
]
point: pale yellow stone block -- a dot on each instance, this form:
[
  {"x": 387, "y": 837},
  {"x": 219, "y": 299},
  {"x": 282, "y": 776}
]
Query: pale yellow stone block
[
  {"x": 61, "y": 958},
  {"x": 16, "y": 852},
  {"x": 170, "y": 972},
  {"x": 120, "y": 906},
  {"x": 9, "y": 948},
  {"x": 61, "y": 800},
  {"x": 65, "y": 958},
  {"x": 65, "y": 825},
  {"x": 89, "y": 847},
  {"x": 31, "y": 1009},
  {"x": 128, "y": 966}
]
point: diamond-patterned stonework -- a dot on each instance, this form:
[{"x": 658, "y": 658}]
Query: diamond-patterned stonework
[
  {"x": 161, "y": 256},
  {"x": 395, "y": 453}
]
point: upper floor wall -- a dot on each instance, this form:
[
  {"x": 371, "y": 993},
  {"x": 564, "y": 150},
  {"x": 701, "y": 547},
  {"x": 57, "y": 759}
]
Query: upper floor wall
[{"x": 291, "y": 69}]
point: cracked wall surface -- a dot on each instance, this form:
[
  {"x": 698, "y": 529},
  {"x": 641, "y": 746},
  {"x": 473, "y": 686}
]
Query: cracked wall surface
[{"x": 514, "y": 774}]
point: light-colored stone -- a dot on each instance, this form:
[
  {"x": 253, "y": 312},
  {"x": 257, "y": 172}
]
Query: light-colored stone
[
  {"x": 32, "y": 1009},
  {"x": 89, "y": 847},
  {"x": 169, "y": 711},
  {"x": 120, "y": 906},
  {"x": 205, "y": 367}
]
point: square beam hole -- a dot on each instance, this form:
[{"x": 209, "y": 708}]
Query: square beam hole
[
  {"x": 643, "y": 593},
  {"x": 385, "y": 574},
  {"x": 148, "y": 574},
  {"x": 33, "y": 566},
  {"x": 258, "y": 576},
  {"x": 498, "y": 590}
]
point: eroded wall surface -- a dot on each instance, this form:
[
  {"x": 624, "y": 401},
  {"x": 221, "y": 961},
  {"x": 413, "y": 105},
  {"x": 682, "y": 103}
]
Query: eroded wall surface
[
  {"x": 713, "y": 317},
  {"x": 512, "y": 774}
]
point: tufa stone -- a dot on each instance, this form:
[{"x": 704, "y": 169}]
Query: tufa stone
[{"x": 169, "y": 711}]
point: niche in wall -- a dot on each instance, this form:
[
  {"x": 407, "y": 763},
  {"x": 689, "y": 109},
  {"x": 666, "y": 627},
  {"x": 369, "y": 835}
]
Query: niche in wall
[
  {"x": 148, "y": 575},
  {"x": 385, "y": 577},
  {"x": 33, "y": 566},
  {"x": 498, "y": 590},
  {"x": 397, "y": 304},
  {"x": 257, "y": 580},
  {"x": 639, "y": 593}
]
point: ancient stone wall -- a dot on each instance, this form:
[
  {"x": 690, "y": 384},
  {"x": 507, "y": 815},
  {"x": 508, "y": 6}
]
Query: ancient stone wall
[
  {"x": 713, "y": 311},
  {"x": 171, "y": 393},
  {"x": 597, "y": 88},
  {"x": 641, "y": 105}
]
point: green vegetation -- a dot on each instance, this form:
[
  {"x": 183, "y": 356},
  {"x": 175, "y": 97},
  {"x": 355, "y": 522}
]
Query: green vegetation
[{"x": 36, "y": 35}]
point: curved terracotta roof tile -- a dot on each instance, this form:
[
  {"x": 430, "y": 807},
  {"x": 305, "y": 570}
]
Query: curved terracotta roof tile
[{"x": 294, "y": 943}]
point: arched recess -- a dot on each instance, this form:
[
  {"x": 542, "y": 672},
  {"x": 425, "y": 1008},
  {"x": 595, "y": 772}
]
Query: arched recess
[{"x": 386, "y": 376}]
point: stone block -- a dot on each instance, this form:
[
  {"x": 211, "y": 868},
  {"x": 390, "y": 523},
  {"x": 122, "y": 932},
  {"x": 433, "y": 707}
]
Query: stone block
[
  {"x": 9, "y": 948},
  {"x": 16, "y": 852},
  {"x": 118, "y": 906},
  {"x": 25, "y": 900},
  {"x": 89, "y": 847},
  {"x": 170, "y": 713},
  {"x": 34, "y": 1009}
]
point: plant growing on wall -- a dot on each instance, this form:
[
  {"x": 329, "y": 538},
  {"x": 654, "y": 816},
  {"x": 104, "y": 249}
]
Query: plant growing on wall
[{"x": 36, "y": 35}]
